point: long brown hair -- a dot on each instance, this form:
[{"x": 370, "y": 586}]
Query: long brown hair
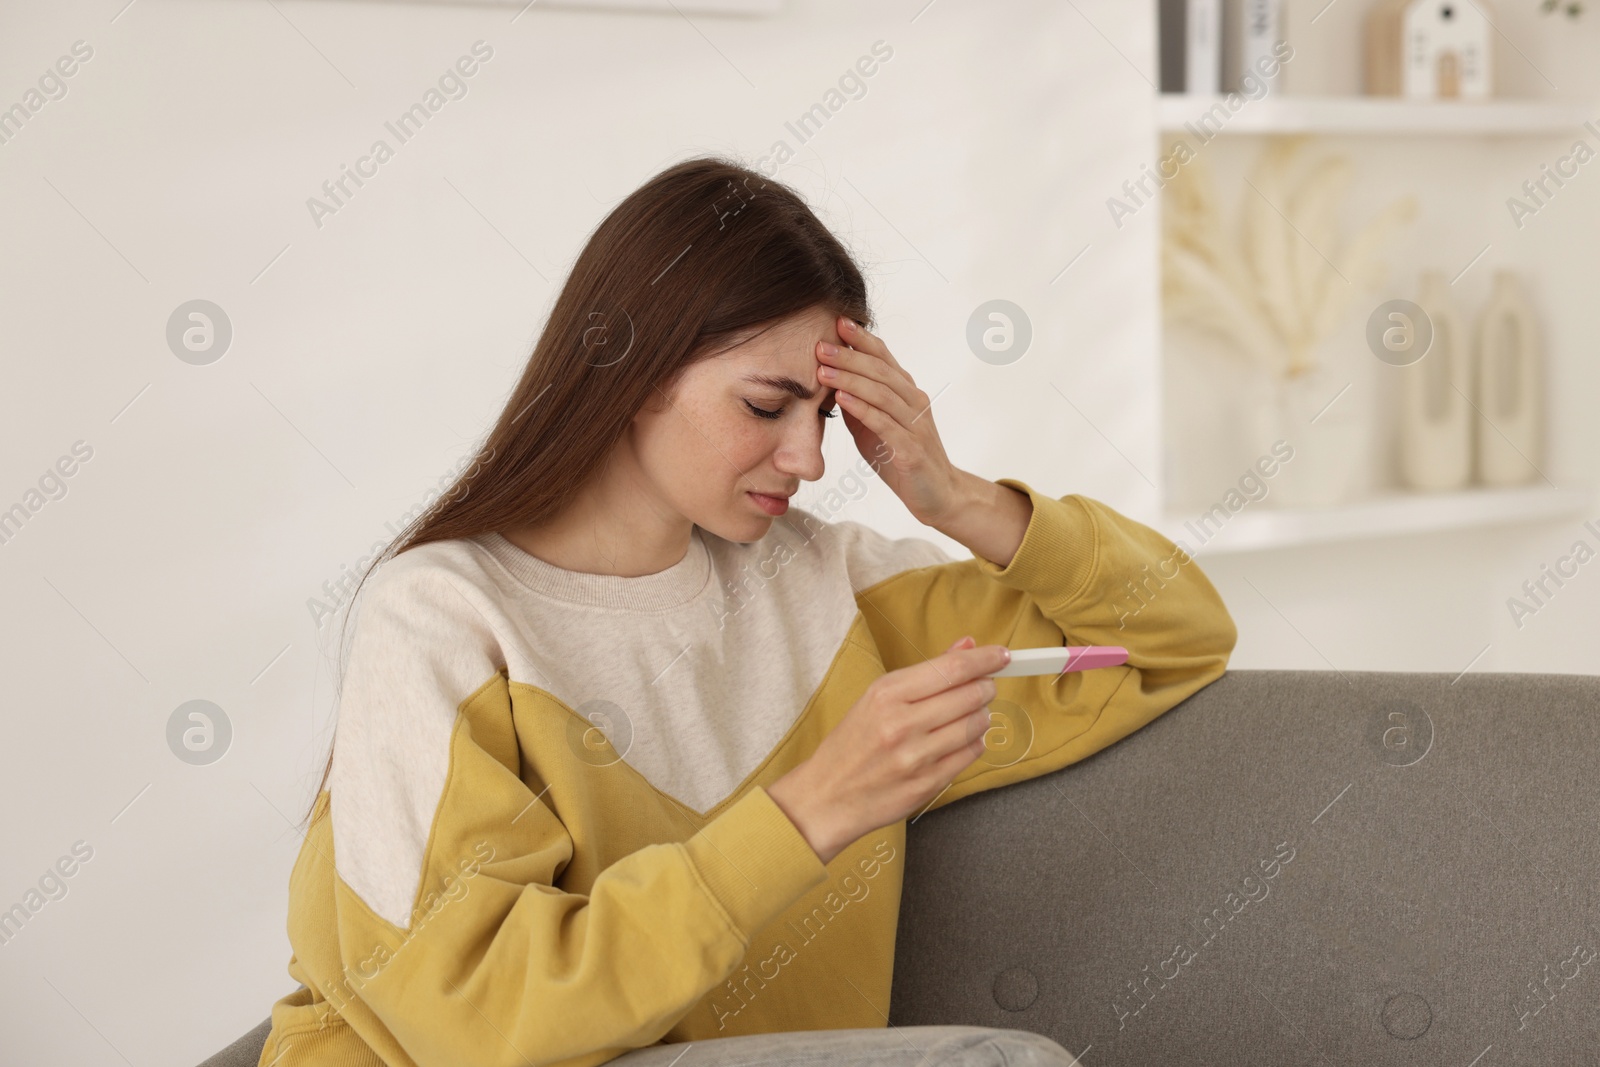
[{"x": 689, "y": 264}]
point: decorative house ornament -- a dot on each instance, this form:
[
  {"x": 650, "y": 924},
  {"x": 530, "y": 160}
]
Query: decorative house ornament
[{"x": 1429, "y": 49}]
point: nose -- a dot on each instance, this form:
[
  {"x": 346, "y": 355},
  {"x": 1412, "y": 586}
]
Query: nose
[{"x": 799, "y": 453}]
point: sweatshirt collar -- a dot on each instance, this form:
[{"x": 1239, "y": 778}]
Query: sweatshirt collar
[{"x": 666, "y": 589}]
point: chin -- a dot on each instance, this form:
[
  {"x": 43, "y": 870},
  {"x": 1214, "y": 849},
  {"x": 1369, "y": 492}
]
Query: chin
[
  {"x": 743, "y": 532},
  {"x": 742, "y": 529}
]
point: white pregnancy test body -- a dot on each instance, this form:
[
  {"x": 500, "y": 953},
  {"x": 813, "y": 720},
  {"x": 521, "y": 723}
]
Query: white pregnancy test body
[{"x": 1059, "y": 659}]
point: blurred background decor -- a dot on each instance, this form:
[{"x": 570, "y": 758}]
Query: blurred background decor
[
  {"x": 1500, "y": 191},
  {"x": 1272, "y": 288},
  {"x": 1571, "y": 8},
  {"x": 1430, "y": 49}
]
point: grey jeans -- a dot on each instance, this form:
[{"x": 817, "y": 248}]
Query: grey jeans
[{"x": 900, "y": 1046}]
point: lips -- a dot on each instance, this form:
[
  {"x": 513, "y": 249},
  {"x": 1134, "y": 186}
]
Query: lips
[{"x": 772, "y": 503}]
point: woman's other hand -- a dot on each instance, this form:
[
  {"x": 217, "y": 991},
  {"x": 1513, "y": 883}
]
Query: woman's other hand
[{"x": 891, "y": 421}]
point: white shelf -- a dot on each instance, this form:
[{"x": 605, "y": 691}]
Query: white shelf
[
  {"x": 1377, "y": 115},
  {"x": 1259, "y": 526}
]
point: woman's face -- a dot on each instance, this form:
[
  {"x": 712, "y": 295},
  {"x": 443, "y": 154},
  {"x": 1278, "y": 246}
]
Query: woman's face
[{"x": 739, "y": 423}]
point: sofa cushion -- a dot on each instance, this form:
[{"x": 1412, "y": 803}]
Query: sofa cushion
[
  {"x": 1288, "y": 868},
  {"x": 245, "y": 1052}
]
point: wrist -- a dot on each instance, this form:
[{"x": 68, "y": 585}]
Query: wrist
[
  {"x": 990, "y": 521},
  {"x": 797, "y": 800},
  {"x": 966, "y": 493}
]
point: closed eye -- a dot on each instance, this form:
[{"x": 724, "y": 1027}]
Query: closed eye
[{"x": 763, "y": 413}]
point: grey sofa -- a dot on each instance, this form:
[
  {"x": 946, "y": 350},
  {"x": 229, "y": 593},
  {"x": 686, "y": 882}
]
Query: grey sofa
[{"x": 1288, "y": 868}]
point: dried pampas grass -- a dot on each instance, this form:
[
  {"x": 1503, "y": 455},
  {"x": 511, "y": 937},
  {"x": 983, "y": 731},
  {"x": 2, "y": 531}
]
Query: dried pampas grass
[{"x": 1277, "y": 293}]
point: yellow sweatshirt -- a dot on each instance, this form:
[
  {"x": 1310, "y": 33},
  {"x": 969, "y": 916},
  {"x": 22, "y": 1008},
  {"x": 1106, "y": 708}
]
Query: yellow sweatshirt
[{"x": 546, "y": 837}]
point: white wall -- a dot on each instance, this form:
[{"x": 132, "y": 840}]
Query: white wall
[{"x": 374, "y": 350}]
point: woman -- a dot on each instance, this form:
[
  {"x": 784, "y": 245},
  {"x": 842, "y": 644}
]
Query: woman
[{"x": 626, "y": 745}]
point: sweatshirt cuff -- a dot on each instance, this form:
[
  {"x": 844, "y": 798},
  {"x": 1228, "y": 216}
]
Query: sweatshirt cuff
[
  {"x": 754, "y": 861},
  {"x": 1059, "y": 550}
]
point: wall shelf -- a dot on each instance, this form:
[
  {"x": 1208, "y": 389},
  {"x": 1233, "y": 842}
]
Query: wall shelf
[
  {"x": 1380, "y": 115},
  {"x": 1258, "y": 527}
]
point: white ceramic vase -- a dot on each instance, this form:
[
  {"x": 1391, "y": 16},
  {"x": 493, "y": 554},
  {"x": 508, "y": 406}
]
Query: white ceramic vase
[
  {"x": 1436, "y": 417},
  {"x": 1508, "y": 375},
  {"x": 1315, "y": 415}
]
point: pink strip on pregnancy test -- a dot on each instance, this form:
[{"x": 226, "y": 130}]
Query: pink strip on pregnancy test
[{"x": 1060, "y": 659}]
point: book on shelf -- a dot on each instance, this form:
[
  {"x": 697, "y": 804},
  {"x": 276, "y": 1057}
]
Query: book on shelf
[
  {"x": 1190, "y": 35},
  {"x": 1210, "y": 46},
  {"x": 1251, "y": 32}
]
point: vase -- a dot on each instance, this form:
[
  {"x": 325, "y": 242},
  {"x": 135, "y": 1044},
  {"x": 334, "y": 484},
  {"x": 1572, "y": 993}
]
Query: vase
[
  {"x": 1508, "y": 379},
  {"x": 1318, "y": 433},
  {"x": 1435, "y": 414}
]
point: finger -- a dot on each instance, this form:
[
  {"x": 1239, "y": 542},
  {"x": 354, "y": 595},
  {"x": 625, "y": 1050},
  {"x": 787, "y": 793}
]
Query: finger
[
  {"x": 942, "y": 672},
  {"x": 863, "y": 340},
  {"x": 889, "y": 431},
  {"x": 931, "y": 713},
  {"x": 963, "y": 735},
  {"x": 871, "y": 365},
  {"x": 953, "y": 763},
  {"x": 960, "y": 724},
  {"x": 873, "y": 392},
  {"x": 912, "y": 403}
]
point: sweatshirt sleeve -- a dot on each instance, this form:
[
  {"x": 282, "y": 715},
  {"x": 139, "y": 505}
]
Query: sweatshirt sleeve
[
  {"x": 456, "y": 944},
  {"x": 1084, "y": 574}
]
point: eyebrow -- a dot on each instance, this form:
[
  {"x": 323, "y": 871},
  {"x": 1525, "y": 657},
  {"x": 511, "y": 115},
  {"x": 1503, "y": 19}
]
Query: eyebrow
[{"x": 782, "y": 382}]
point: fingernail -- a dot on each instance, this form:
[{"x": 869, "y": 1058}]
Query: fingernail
[{"x": 849, "y": 324}]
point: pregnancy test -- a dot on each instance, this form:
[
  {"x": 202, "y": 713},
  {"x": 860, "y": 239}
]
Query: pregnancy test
[{"x": 1059, "y": 659}]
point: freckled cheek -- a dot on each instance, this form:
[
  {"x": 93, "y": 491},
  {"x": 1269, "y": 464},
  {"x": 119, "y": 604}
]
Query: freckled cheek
[
  {"x": 726, "y": 445},
  {"x": 747, "y": 447}
]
